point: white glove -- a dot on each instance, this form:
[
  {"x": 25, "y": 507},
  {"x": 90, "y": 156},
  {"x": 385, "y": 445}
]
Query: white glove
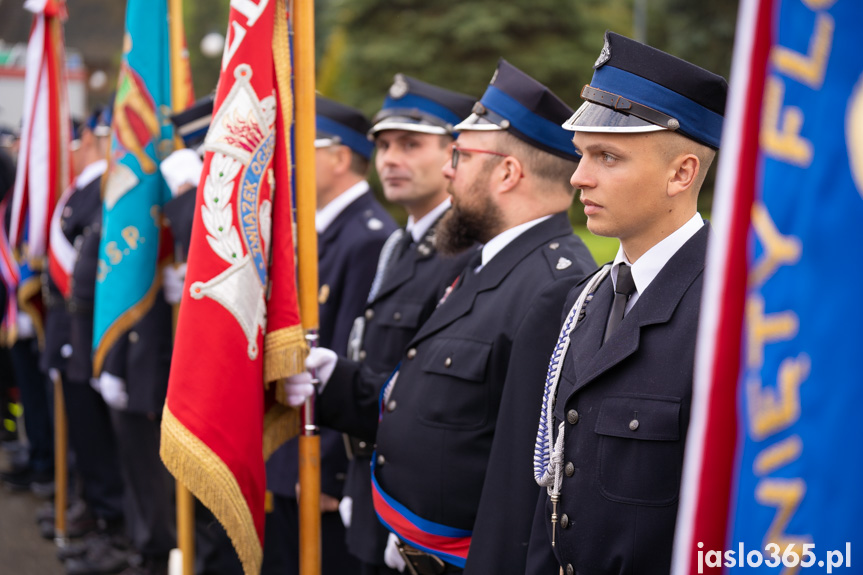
[
  {"x": 172, "y": 283},
  {"x": 392, "y": 557},
  {"x": 324, "y": 361},
  {"x": 24, "y": 325},
  {"x": 113, "y": 390},
  {"x": 346, "y": 508},
  {"x": 183, "y": 167},
  {"x": 298, "y": 388}
]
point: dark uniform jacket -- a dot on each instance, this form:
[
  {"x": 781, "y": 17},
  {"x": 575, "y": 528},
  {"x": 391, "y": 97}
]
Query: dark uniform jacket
[
  {"x": 77, "y": 215},
  {"x": 455, "y": 441},
  {"x": 409, "y": 292},
  {"x": 619, "y": 497},
  {"x": 86, "y": 232},
  {"x": 348, "y": 252}
]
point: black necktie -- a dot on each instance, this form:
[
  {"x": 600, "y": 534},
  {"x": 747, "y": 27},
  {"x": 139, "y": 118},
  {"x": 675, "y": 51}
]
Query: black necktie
[
  {"x": 469, "y": 273},
  {"x": 624, "y": 290},
  {"x": 403, "y": 246}
]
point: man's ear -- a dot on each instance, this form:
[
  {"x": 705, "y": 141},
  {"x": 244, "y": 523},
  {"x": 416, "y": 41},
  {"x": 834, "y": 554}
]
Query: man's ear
[
  {"x": 511, "y": 172},
  {"x": 685, "y": 172}
]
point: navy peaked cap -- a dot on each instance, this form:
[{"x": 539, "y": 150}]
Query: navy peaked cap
[
  {"x": 193, "y": 123},
  {"x": 416, "y": 106},
  {"x": 522, "y": 106},
  {"x": 338, "y": 124},
  {"x": 637, "y": 88}
]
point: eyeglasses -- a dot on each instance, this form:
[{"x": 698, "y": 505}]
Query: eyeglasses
[{"x": 456, "y": 152}]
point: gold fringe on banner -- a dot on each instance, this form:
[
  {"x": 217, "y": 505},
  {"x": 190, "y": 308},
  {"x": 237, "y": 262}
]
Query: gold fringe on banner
[
  {"x": 208, "y": 478},
  {"x": 281, "y": 423},
  {"x": 285, "y": 352}
]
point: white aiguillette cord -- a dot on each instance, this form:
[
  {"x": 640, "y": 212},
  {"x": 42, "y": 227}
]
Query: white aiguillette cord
[{"x": 548, "y": 453}]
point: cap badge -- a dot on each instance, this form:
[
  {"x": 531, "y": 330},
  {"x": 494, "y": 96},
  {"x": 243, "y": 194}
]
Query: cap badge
[
  {"x": 399, "y": 88},
  {"x": 604, "y": 56},
  {"x": 563, "y": 263}
]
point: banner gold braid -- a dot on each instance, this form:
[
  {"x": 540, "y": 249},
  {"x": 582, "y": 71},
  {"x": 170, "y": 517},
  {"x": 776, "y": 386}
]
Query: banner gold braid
[
  {"x": 285, "y": 350},
  {"x": 210, "y": 480}
]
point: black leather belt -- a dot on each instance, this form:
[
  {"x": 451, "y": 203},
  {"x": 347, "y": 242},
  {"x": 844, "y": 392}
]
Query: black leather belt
[
  {"x": 422, "y": 563},
  {"x": 356, "y": 447}
]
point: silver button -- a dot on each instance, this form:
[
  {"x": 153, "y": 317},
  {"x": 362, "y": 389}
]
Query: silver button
[
  {"x": 569, "y": 469},
  {"x": 362, "y": 444},
  {"x": 447, "y": 362},
  {"x": 572, "y": 416},
  {"x": 633, "y": 425},
  {"x": 133, "y": 336},
  {"x": 412, "y": 353},
  {"x": 391, "y": 406},
  {"x": 553, "y": 245},
  {"x": 570, "y": 570},
  {"x": 362, "y": 355},
  {"x": 397, "y": 316},
  {"x": 564, "y": 520},
  {"x": 381, "y": 460},
  {"x": 370, "y": 313}
]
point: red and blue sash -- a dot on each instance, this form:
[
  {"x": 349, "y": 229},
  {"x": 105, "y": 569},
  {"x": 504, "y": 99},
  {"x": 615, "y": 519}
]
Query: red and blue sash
[{"x": 447, "y": 543}]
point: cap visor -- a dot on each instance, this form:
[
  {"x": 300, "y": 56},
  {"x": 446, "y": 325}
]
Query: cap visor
[
  {"x": 407, "y": 124},
  {"x": 592, "y": 117},
  {"x": 475, "y": 123}
]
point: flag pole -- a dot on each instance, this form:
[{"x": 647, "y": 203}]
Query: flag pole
[
  {"x": 185, "y": 501},
  {"x": 309, "y": 441}
]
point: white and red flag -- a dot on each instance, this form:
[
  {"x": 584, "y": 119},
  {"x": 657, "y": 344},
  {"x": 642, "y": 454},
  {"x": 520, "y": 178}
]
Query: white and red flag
[{"x": 43, "y": 161}]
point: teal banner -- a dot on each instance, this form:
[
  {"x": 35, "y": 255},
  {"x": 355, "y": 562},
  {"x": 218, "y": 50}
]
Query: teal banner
[{"x": 134, "y": 192}]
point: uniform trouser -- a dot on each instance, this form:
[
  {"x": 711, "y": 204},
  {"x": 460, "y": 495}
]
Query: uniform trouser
[
  {"x": 92, "y": 439},
  {"x": 214, "y": 553},
  {"x": 150, "y": 516},
  {"x": 33, "y": 387},
  {"x": 281, "y": 545}
]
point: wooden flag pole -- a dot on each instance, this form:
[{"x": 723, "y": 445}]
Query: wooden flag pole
[
  {"x": 185, "y": 501},
  {"x": 61, "y": 467},
  {"x": 309, "y": 441}
]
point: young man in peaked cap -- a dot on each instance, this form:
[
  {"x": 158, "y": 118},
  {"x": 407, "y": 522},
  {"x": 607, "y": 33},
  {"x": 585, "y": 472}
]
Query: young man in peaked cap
[
  {"x": 647, "y": 131},
  {"x": 352, "y": 228},
  {"x": 451, "y": 469}
]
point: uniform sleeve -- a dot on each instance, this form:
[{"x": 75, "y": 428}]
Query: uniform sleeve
[
  {"x": 360, "y": 273},
  {"x": 506, "y": 509},
  {"x": 349, "y": 402}
]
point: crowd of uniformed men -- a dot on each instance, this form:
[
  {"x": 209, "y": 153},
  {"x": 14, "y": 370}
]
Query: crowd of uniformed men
[{"x": 440, "y": 340}]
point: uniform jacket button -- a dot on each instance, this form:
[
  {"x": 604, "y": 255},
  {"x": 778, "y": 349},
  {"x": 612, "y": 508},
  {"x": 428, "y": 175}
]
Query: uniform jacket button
[
  {"x": 391, "y": 406},
  {"x": 370, "y": 313},
  {"x": 572, "y": 416},
  {"x": 447, "y": 362},
  {"x": 381, "y": 460},
  {"x": 362, "y": 444},
  {"x": 397, "y": 316},
  {"x": 564, "y": 521},
  {"x": 412, "y": 353},
  {"x": 570, "y": 570},
  {"x": 569, "y": 469},
  {"x": 554, "y": 245},
  {"x": 133, "y": 336},
  {"x": 362, "y": 355},
  {"x": 633, "y": 425}
]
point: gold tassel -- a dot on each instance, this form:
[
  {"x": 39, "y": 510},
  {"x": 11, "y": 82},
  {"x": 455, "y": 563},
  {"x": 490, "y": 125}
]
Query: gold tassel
[
  {"x": 285, "y": 352},
  {"x": 281, "y": 423}
]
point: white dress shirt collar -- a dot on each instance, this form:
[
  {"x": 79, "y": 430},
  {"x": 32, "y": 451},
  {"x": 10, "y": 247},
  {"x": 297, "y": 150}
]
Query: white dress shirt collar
[
  {"x": 503, "y": 239},
  {"x": 325, "y": 216},
  {"x": 648, "y": 266},
  {"x": 418, "y": 229},
  {"x": 90, "y": 173}
]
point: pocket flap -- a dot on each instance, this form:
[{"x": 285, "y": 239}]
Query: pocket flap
[
  {"x": 639, "y": 417},
  {"x": 462, "y": 358},
  {"x": 399, "y": 314}
]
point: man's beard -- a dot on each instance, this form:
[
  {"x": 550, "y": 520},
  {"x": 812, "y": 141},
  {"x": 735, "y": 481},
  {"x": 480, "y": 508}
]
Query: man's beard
[{"x": 462, "y": 227}]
